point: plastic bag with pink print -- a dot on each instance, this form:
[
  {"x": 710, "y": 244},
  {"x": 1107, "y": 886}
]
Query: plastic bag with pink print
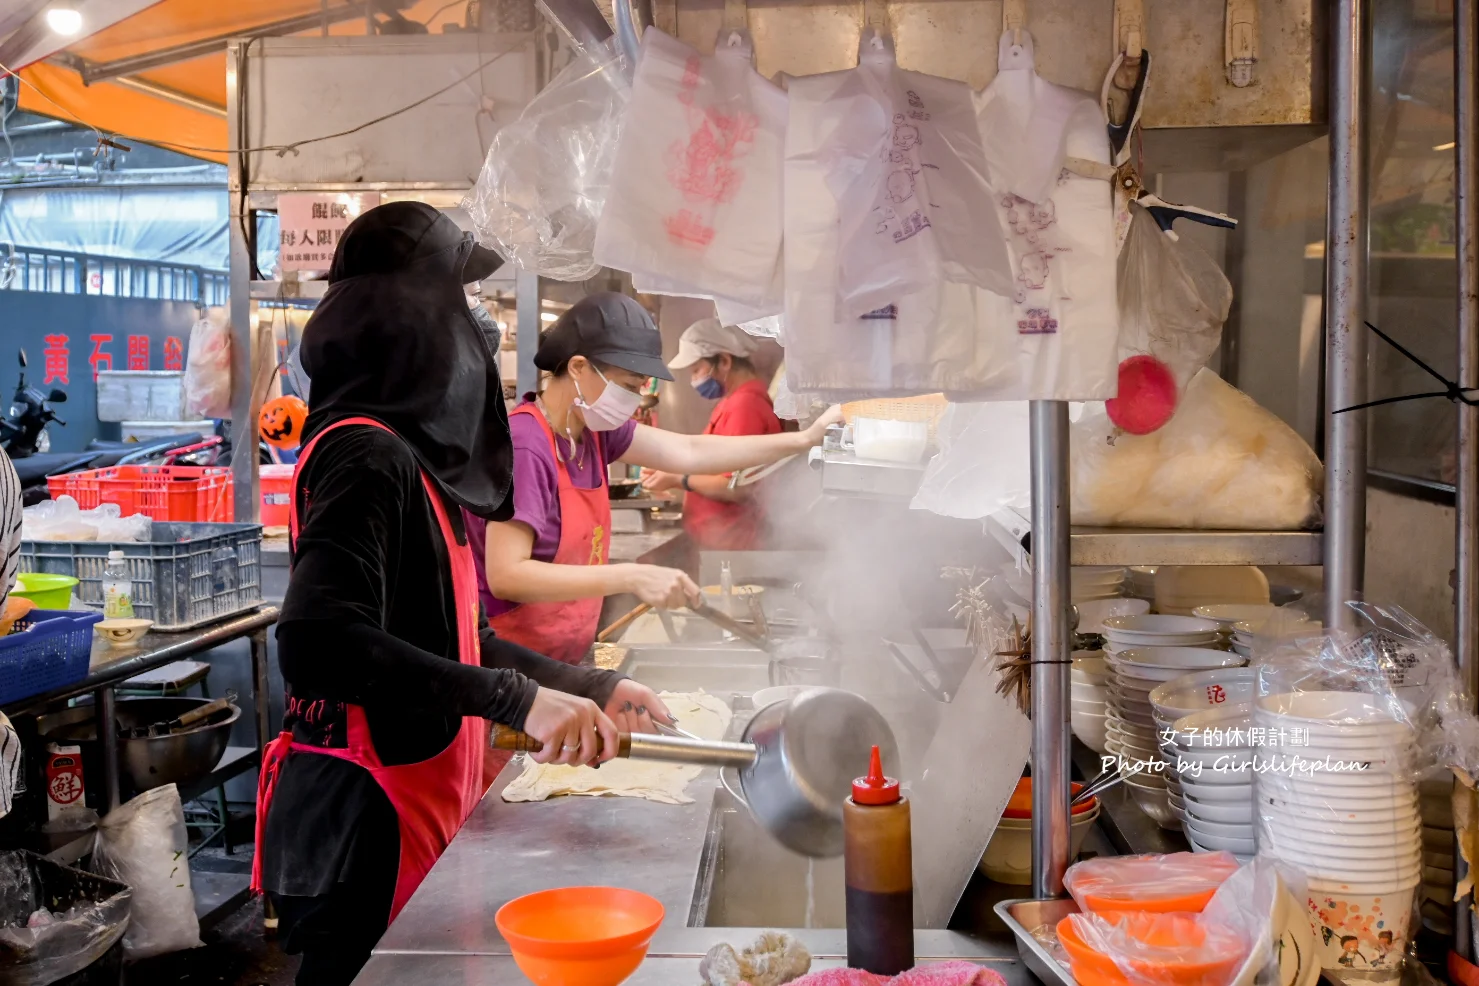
[{"x": 695, "y": 208}]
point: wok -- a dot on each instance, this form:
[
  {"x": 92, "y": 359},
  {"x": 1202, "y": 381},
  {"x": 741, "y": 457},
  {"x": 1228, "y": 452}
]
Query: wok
[{"x": 149, "y": 762}]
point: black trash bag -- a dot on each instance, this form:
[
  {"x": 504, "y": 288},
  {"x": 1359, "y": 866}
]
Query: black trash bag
[{"x": 94, "y": 910}]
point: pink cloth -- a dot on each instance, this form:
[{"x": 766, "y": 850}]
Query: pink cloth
[{"x": 939, "y": 974}]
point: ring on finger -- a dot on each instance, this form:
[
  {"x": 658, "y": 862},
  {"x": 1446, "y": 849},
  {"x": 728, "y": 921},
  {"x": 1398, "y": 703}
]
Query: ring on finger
[{"x": 570, "y": 749}]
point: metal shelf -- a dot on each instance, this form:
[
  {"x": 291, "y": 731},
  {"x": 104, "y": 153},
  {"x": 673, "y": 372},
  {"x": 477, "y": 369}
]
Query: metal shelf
[{"x": 844, "y": 474}]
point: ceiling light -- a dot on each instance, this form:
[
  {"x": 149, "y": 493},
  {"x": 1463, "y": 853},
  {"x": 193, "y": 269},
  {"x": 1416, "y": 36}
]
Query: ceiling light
[
  {"x": 548, "y": 316},
  {"x": 64, "y": 20},
  {"x": 1443, "y": 147}
]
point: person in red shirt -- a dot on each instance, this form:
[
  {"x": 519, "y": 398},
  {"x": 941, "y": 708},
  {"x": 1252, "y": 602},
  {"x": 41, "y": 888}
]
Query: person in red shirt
[{"x": 717, "y": 357}]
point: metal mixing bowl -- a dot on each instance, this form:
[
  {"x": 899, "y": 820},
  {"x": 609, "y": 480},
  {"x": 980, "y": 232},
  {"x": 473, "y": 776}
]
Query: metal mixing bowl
[{"x": 151, "y": 762}]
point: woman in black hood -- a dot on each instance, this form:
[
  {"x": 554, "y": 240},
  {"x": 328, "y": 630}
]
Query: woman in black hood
[{"x": 391, "y": 675}]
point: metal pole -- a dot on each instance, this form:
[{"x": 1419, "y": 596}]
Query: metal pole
[
  {"x": 1345, "y": 310},
  {"x": 107, "y": 706},
  {"x": 527, "y": 309},
  {"x": 1051, "y": 645},
  {"x": 243, "y": 337},
  {"x": 1466, "y": 567}
]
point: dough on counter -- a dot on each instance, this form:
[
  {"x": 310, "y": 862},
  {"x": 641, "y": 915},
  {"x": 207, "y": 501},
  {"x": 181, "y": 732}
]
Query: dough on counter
[{"x": 698, "y": 712}]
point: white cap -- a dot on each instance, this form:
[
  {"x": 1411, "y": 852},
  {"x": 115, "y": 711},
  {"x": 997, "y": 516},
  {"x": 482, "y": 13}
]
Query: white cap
[
  {"x": 115, "y": 555},
  {"x": 710, "y": 337}
]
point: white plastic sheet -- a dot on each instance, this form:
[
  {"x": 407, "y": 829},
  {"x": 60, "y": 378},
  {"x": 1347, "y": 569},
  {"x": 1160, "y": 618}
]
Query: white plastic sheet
[
  {"x": 545, "y": 180},
  {"x": 695, "y": 207}
]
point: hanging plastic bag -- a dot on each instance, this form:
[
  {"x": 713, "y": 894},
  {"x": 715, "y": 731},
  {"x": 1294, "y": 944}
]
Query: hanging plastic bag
[
  {"x": 695, "y": 207},
  {"x": 55, "y": 921},
  {"x": 1222, "y": 463},
  {"x": 208, "y": 366},
  {"x": 143, "y": 844},
  {"x": 907, "y": 169},
  {"x": 1173, "y": 300},
  {"x": 1055, "y": 335},
  {"x": 920, "y": 343},
  {"x": 983, "y": 462},
  {"x": 545, "y": 180}
]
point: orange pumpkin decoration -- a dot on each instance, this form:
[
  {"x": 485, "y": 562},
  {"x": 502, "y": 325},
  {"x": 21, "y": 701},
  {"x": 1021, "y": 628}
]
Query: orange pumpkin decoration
[{"x": 281, "y": 421}]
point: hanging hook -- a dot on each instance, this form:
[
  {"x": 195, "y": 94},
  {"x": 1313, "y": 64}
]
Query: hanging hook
[{"x": 1014, "y": 18}]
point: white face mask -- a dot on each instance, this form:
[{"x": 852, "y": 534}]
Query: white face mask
[{"x": 611, "y": 410}]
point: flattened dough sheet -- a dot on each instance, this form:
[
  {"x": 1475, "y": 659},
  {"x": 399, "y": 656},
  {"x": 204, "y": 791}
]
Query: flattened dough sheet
[{"x": 698, "y": 712}]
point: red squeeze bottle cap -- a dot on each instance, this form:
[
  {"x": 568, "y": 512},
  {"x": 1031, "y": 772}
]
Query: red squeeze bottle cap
[{"x": 875, "y": 789}]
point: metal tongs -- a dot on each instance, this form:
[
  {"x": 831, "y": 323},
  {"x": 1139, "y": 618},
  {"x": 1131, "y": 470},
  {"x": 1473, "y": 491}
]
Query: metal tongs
[
  {"x": 724, "y": 621},
  {"x": 1102, "y": 783}
]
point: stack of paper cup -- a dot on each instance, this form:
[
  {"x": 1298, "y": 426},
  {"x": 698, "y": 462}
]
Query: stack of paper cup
[{"x": 1335, "y": 802}]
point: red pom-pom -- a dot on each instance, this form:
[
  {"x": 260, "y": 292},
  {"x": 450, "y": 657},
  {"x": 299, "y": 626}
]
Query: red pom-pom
[{"x": 1147, "y": 396}]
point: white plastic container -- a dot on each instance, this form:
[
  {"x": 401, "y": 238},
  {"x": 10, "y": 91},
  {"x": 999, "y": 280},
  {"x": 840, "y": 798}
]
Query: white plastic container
[
  {"x": 890, "y": 441},
  {"x": 141, "y": 395}
]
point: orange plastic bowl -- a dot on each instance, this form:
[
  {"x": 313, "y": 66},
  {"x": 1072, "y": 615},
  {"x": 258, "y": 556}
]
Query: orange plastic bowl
[
  {"x": 1093, "y": 968},
  {"x": 579, "y": 936},
  {"x": 1020, "y": 804}
]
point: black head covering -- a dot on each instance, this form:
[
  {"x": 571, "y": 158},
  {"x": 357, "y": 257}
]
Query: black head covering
[{"x": 393, "y": 340}]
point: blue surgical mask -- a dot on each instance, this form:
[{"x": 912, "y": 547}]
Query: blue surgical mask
[{"x": 709, "y": 389}]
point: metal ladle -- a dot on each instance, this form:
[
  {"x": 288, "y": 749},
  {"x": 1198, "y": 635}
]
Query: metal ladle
[{"x": 796, "y": 763}]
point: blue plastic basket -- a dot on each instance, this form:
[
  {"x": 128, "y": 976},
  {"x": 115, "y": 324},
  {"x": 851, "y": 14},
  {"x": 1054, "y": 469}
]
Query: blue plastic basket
[{"x": 48, "y": 648}]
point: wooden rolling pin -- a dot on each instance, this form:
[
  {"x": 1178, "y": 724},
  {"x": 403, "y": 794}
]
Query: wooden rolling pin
[{"x": 621, "y": 623}]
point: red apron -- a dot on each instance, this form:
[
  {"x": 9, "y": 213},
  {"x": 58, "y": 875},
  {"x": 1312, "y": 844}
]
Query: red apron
[
  {"x": 565, "y": 630},
  {"x": 431, "y": 798}
]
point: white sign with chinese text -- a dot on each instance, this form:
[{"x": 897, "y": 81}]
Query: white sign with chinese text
[{"x": 311, "y": 225}]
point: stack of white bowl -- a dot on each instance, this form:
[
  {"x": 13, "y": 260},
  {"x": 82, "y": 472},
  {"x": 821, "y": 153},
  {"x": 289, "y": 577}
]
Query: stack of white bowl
[
  {"x": 1355, "y": 833},
  {"x": 1144, "y": 652},
  {"x": 1096, "y": 582},
  {"x": 1188, "y": 695},
  {"x": 1141, "y": 582},
  {"x": 1089, "y": 699},
  {"x": 1215, "y": 753}
]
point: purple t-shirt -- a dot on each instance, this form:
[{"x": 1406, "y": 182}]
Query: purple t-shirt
[{"x": 537, "y": 489}]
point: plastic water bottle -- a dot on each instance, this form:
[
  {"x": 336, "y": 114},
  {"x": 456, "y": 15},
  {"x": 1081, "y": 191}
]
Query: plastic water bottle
[{"x": 118, "y": 588}]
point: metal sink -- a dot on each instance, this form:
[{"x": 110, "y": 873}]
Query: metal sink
[
  {"x": 716, "y": 669},
  {"x": 747, "y": 879}
]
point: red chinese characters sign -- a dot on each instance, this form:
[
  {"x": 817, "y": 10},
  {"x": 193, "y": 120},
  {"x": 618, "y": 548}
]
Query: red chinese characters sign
[
  {"x": 138, "y": 352},
  {"x": 99, "y": 359},
  {"x": 312, "y": 224},
  {"x": 174, "y": 354},
  {"x": 58, "y": 360}
]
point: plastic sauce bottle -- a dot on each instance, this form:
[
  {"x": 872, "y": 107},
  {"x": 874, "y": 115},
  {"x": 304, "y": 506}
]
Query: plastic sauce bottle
[
  {"x": 118, "y": 588},
  {"x": 878, "y": 871}
]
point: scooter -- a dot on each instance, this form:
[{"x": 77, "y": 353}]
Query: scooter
[{"x": 23, "y": 430}]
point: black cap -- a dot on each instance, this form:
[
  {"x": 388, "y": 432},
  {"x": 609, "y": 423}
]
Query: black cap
[
  {"x": 480, "y": 263},
  {"x": 608, "y": 327}
]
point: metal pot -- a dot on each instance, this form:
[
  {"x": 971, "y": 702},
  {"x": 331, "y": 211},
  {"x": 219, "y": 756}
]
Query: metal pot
[
  {"x": 808, "y": 750},
  {"x": 154, "y": 761}
]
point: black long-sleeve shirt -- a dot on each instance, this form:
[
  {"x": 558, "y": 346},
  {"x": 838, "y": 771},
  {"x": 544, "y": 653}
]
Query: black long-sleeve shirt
[{"x": 369, "y": 619}]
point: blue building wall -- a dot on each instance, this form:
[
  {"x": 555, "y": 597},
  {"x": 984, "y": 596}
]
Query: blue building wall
[{"x": 67, "y": 337}]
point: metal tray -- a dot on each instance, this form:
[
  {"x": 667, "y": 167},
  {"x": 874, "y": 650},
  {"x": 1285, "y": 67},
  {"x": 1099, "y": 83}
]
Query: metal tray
[{"x": 1024, "y": 914}]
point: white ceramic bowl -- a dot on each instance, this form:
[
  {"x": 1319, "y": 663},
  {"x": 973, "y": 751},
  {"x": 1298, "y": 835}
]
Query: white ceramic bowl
[
  {"x": 1198, "y": 789},
  {"x": 1213, "y": 843},
  {"x": 1182, "y": 659},
  {"x": 1323, "y": 841},
  {"x": 1373, "y": 805},
  {"x": 1383, "y": 788},
  {"x": 1089, "y": 690},
  {"x": 1226, "y": 614},
  {"x": 1317, "y": 869},
  {"x": 1161, "y": 626},
  {"x": 1008, "y": 856},
  {"x": 1154, "y": 801},
  {"x": 122, "y": 632},
  {"x": 1091, "y": 730},
  {"x": 1096, "y": 707},
  {"x": 1221, "y": 830},
  {"x": 1193, "y": 693},
  {"x": 1398, "y": 855},
  {"x": 1234, "y": 814},
  {"x": 1088, "y": 662}
]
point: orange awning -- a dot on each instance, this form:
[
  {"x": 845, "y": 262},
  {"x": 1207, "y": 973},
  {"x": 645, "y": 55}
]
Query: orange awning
[{"x": 194, "y": 123}]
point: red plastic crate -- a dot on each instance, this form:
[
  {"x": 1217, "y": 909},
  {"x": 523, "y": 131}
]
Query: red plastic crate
[{"x": 193, "y": 494}]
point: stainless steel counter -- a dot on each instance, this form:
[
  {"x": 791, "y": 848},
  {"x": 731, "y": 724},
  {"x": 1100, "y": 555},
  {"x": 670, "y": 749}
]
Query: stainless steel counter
[{"x": 496, "y": 970}]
